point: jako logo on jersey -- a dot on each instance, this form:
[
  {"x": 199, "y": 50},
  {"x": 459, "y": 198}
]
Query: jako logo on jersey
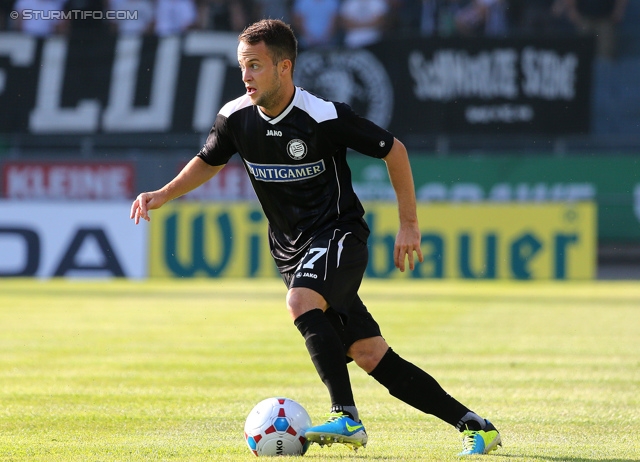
[
  {"x": 280, "y": 172},
  {"x": 274, "y": 133},
  {"x": 297, "y": 149},
  {"x": 306, "y": 275}
]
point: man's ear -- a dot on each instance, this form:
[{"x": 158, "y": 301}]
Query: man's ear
[{"x": 285, "y": 66}]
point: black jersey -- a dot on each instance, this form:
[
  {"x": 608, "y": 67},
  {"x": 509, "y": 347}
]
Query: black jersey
[{"x": 297, "y": 165}]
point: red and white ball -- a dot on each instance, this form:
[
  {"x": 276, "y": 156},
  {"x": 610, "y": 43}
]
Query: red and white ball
[{"x": 276, "y": 427}]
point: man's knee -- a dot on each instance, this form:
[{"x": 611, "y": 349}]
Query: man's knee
[
  {"x": 368, "y": 352},
  {"x": 300, "y": 300}
]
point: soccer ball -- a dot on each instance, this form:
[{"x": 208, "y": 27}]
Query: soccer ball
[{"x": 276, "y": 427}]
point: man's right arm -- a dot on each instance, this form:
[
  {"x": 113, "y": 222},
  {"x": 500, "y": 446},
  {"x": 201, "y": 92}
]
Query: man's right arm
[{"x": 195, "y": 173}]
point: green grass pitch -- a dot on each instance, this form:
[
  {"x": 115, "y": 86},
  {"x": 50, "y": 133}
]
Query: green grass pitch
[{"x": 168, "y": 370}]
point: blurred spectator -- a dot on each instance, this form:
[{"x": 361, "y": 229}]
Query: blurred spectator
[
  {"x": 483, "y": 17},
  {"x": 404, "y": 17},
  {"x": 599, "y": 18},
  {"x": 272, "y": 9},
  {"x": 363, "y": 21},
  {"x": 316, "y": 22},
  {"x": 42, "y": 25},
  {"x": 223, "y": 15},
  {"x": 437, "y": 17},
  {"x": 538, "y": 17},
  {"x": 174, "y": 17},
  {"x": 144, "y": 11}
]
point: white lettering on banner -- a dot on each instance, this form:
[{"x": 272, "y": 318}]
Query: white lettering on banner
[
  {"x": 504, "y": 192},
  {"x": 48, "y": 116},
  {"x": 466, "y": 192},
  {"x": 104, "y": 181},
  {"x": 376, "y": 186},
  {"x": 219, "y": 50},
  {"x": 548, "y": 75},
  {"x": 455, "y": 74},
  {"x": 121, "y": 115},
  {"x": 506, "y": 113},
  {"x": 21, "y": 51},
  {"x": 450, "y": 74}
]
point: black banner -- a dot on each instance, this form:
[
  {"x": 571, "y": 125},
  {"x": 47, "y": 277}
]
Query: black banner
[
  {"x": 116, "y": 84},
  {"x": 461, "y": 86},
  {"x": 412, "y": 87}
]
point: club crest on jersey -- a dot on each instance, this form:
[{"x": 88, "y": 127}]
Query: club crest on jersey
[{"x": 297, "y": 149}]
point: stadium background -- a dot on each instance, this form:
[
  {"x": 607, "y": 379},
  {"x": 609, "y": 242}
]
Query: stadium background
[{"x": 525, "y": 150}]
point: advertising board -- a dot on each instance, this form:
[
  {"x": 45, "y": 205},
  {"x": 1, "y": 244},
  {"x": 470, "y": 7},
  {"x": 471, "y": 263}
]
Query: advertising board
[
  {"x": 467, "y": 241},
  {"x": 67, "y": 180},
  {"x": 54, "y": 239},
  {"x": 611, "y": 182}
]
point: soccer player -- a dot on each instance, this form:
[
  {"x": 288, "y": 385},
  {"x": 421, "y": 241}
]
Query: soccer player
[{"x": 294, "y": 145}]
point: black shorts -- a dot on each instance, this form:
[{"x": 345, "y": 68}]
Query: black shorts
[{"x": 334, "y": 266}]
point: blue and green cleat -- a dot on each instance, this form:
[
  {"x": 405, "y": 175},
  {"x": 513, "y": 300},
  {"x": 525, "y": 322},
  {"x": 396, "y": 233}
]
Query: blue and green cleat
[
  {"x": 480, "y": 441},
  {"x": 339, "y": 428}
]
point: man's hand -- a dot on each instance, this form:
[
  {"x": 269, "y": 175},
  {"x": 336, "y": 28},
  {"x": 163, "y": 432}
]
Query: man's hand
[
  {"x": 407, "y": 242},
  {"x": 195, "y": 173},
  {"x": 408, "y": 238},
  {"x": 144, "y": 202}
]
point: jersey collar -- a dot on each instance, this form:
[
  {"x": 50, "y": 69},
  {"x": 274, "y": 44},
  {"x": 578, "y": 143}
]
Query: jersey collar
[{"x": 284, "y": 113}]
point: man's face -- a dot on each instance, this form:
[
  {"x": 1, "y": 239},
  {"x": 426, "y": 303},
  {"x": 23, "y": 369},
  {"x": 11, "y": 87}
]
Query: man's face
[{"x": 260, "y": 75}]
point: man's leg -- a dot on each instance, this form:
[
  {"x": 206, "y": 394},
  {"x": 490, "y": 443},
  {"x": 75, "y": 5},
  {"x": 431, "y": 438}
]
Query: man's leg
[
  {"x": 328, "y": 356},
  {"x": 409, "y": 383},
  {"x": 415, "y": 387},
  {"x": 321, "y": 291},
  {"x": 323, "y": 344}
]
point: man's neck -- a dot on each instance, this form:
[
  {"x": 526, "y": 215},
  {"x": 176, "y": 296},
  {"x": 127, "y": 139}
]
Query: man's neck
[{"x": 286, "y": 100}]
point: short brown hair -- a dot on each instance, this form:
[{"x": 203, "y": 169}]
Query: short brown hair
[{"x": 276, "y": 35}]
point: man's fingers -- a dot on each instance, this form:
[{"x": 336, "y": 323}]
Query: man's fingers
[
  {"x": 398, "y": 258},
  {"x": 142, "y": 205},
  {"x": 139, "y": 209},
  {"x": 411, "y": 264},
  {"x": 419, "y": 253},
  {"x": 405, "y": 252},
  {"x": 134, "y": 209}
]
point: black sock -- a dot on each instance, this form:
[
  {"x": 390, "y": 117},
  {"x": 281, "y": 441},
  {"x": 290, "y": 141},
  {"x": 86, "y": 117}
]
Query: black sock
[
  {"x": 471, "y": 421},
  {"x": 415, "y": 387},
  {"x": 327, "y": 354},
  {"x": 351, "y": 411}
]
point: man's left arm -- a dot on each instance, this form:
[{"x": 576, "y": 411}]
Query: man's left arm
[{"x": 408, "y": 237}]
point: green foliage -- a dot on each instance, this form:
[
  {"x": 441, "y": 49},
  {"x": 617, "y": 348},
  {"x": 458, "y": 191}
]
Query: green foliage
[{"x": 168, "y": 370}]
